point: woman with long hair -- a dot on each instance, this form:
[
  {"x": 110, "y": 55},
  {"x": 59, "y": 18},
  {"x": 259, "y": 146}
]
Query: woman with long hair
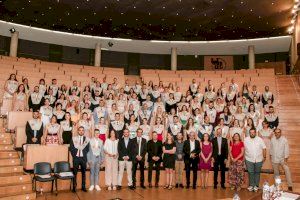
[
  {"x": 111, "y": 161},
  {"x": 205, "y": 159},
  {"x": 10, "y": 87},
  {"x": 237, "y": 167},
  {"x": 159, "y": 128},
  {"x": 20, "y": 100},
  {"x": 87, "y": 124},
  {"x": 51, "y": 132},
  {"x": 73, "y": 109},
  {"x": 103, "y": 129},
  {"x": 169, "y": 150},
  {"x": 59, "y": 113},
  {"x": 67, "y": 129}
]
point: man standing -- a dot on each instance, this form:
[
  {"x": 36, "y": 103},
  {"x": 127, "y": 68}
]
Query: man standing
[
  {"x": 125, "y": 151},
  {"x": 34, "y": 129},
  {"x": 79, "y": 147},
  {"x": 140, "y": 150},
  {"x": 179, "y": 163},
  {"x": 255, "y": 155},
  {"x": 279, "y": 152},
  {"x": 191, "y": 151},
  {"x": 154, "y": 149},
  {"x": 219, "y": 157}
]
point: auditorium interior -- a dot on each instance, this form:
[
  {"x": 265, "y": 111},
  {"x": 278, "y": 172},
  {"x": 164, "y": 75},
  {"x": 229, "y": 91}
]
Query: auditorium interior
[{"x": 174, "y": 71}]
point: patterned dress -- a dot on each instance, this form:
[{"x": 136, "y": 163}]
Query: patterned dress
[{"x": 236, "y": 174}]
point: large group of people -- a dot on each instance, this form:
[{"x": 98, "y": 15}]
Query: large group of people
[{"x": 156, "y": 126}]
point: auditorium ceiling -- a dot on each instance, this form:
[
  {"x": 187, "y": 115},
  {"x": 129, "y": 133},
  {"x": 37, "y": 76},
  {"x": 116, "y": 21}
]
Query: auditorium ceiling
[{"x": 155, "y": 19}]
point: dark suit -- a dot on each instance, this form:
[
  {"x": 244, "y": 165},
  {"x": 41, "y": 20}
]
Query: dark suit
[
  {"x": 30, "y": 134},
  {"x": 141, "y": 163},
  {"x": 154, "y": 149},
  {"x": 79, "y": 161},
  {"x": 219, "y": 159},
  {"x": 125, "y": 151},
  {"x": 191, "y": 163},
  {"x": 119, "y": 134}
]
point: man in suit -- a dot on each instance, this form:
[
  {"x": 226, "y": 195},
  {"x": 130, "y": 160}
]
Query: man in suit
[
  {"x": 34, "y": 129},
  {"x": 125, "y": 151},
  {"x": 220, "y": 154},
  {"x": 79, "y": 147},
  {"x": 140, "y": 150},
  {"x": 191, "y": 151},
  {"x": 154, "y": 149}
]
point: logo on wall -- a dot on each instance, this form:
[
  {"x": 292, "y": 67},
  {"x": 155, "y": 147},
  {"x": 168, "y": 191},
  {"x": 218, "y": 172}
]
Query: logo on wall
[{"x": 218, "y": 63}]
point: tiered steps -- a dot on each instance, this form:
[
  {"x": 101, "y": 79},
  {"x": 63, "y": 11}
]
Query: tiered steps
[
  {"x": 289, "y": 121},
  {"x": 14, "y": 184}
]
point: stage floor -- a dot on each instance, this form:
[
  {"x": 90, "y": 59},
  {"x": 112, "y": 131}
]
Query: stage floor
[{"x": 153, "y": 193}]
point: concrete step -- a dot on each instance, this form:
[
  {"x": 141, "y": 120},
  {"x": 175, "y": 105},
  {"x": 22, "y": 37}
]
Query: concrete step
[
  {"x": 15, "y": 180},
  {"x": 11, "y": 169},
  {"x": 20, "y": 196},
  {"x": 6, "y": 147},
  {"x": 8, "y": 154},
  {"x": 10, "y": 162},
  {"x": 10, "y": 190}
]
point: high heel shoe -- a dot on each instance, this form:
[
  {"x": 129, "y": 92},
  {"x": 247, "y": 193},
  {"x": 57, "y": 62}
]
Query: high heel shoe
[
  {"x": 170, "y": 187},
  {"x": 166, "y": 186}
]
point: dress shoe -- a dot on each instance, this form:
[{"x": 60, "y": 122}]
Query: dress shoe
[
  {"x": 223, "y": 187},
  {"x": 156, "y": 185},
  {"x": 187, "y": 187},
  {"x": 194, "y": 187},
  {"x": 74, "y": 190},
  {"x": 84, "y": 190},
  {"x": 150, "y": 185},
  {"x": 180, "y": 185},
  {"x": 215, "y": 186},
  {"x": 142, "y": 186},
  {"x": 176, "y": 186},
  {"x": 119, "y": 187},
  {"x": 131, "y": 187},
  {"x": 290, "y": 188}
]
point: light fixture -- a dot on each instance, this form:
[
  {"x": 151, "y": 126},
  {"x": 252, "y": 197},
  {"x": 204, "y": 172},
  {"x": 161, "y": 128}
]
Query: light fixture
[{"x": 12, "y": 30}]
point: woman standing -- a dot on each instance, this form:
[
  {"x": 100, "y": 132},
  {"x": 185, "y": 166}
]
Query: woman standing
[
  {"x": 103, "y": 129},
  {"x": 111, "y": 161},
  {"x": 66, "y": 129},
  {"x": 10, "y": 87},
  {"x": 169, "y": 150},
  {"x": 46, "y": 112},
  {"x": 205, "y": 159},
  {"x": 95, "y": 158},
  {"x": 20, "y": 101},
  {"x": 51, "y": 132},
  {"x": 236, "y": 170}
]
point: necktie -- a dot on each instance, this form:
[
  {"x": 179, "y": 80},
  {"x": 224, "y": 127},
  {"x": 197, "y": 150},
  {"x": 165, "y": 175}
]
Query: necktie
[
  {"x": 139, "y": 143},
  {"x": 80, "y": 145}
]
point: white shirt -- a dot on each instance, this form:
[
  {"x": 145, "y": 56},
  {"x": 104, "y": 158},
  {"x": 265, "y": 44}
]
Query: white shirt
[
  {"x": 139, "y": 140},
  {"x": 279, "y": 149},
  {"x": 111, "y": 147},
  {"x": 192, "y": 145},
  {"x": 254, "y": 149}
]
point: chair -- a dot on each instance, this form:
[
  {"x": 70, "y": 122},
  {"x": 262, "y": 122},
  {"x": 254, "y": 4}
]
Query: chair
[
  {"x": 39, "y": 170},
  {"x": 63, "y": 166}
]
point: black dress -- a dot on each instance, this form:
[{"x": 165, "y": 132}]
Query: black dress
[{"x": 169, "y": 159}]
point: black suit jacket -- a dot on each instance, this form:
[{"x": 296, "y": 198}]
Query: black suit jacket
[
  {"x": 73, "y": 150},
  {"x": 30, "y": 134},
  {"x": 154, "y": 149},
  {"x": 187, "y": 150},
  {"x": 224, "y": 148},
  {"x": 123, "y": 151},
  {"x": 136, "y": 148}
]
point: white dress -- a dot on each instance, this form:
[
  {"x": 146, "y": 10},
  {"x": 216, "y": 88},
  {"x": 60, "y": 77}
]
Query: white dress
[
  {"x": 12, "y": 87},
  {"x": 46, "y": 114}
]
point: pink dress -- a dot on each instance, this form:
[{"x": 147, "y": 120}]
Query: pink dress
[{"x": 206, "y": 150}]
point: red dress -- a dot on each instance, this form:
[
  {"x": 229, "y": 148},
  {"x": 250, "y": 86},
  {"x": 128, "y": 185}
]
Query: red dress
[{"x": 206, "y": 150}]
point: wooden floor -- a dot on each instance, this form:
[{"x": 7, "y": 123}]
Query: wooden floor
[{"x": 153, "y": 193}]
